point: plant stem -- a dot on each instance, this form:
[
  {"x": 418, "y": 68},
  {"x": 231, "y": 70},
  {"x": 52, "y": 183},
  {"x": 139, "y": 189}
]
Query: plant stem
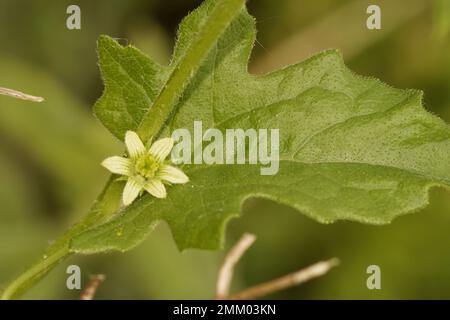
[
  {"x": 221, "y": 16},
  {"x": 19, "y": 95},
  {"x": 227, "y": 269},
  {"x": 152, "y": 124},
  {"x": 103, "y": 208},
  {"x": 293, "y": 279}
]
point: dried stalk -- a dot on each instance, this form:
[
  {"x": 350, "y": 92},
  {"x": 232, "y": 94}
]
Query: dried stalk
[
  {"x": 293, "y": 279},
  {"x": 92, "y": 286},
  {"x": 19, "y": 95},
  {"x": 226, "y": 271}
]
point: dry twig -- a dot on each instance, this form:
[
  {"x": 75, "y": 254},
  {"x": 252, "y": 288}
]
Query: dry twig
[
  {"x": 226, "y": 271},
  {"x": 293, "y": 279},
  {"x": 19, "y": 95},
  {"x": 92, "y": 286}
]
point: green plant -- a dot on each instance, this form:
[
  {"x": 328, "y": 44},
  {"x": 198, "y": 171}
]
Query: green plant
[{"x": 351, "y": 147}]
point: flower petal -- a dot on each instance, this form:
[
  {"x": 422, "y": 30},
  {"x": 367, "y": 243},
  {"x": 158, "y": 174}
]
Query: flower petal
[
  {"x": 131, "y": 191},
  {"x": 134, "y": 144},
  {"x": 117, "y": 165},
  {"x": 156, "y": 188},
  {"x": 161, "y": 148},
  {"x": 172, "y": 175}
]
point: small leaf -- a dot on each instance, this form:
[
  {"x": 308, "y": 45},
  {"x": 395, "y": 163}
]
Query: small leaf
[{"x": 350, "y": 147}]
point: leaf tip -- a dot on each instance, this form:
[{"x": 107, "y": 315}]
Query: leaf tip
[{"x": 103, "y": 39}]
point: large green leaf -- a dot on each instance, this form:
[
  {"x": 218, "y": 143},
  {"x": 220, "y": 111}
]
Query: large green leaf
[{"x": 350, "y": 147}]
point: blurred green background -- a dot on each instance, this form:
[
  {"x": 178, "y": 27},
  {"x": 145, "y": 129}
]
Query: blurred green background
[{"x": 50, "y": 152}]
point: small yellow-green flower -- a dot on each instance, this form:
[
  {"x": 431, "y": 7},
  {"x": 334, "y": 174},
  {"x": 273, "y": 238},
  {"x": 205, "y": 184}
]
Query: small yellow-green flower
[{"x": 145, "y": 169}]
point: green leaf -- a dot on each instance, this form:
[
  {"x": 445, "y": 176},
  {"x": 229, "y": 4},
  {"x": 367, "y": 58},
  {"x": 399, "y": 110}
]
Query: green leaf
[
  {"x": 350, "y": 147},
  {"x": 132, "y": 82}
]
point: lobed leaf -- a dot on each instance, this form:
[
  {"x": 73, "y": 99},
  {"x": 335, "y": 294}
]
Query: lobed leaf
[{"x": 351, "y": 147}]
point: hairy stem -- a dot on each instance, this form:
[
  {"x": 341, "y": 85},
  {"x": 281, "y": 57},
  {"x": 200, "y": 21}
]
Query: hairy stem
[
  {"x": 103, "y": 208},
  {"x": 152, "y": 124},
  {"x": 219, "y": 19}
]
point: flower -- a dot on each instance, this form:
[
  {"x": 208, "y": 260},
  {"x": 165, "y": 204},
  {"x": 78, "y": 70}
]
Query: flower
[{"x": 145, "y": 169}]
